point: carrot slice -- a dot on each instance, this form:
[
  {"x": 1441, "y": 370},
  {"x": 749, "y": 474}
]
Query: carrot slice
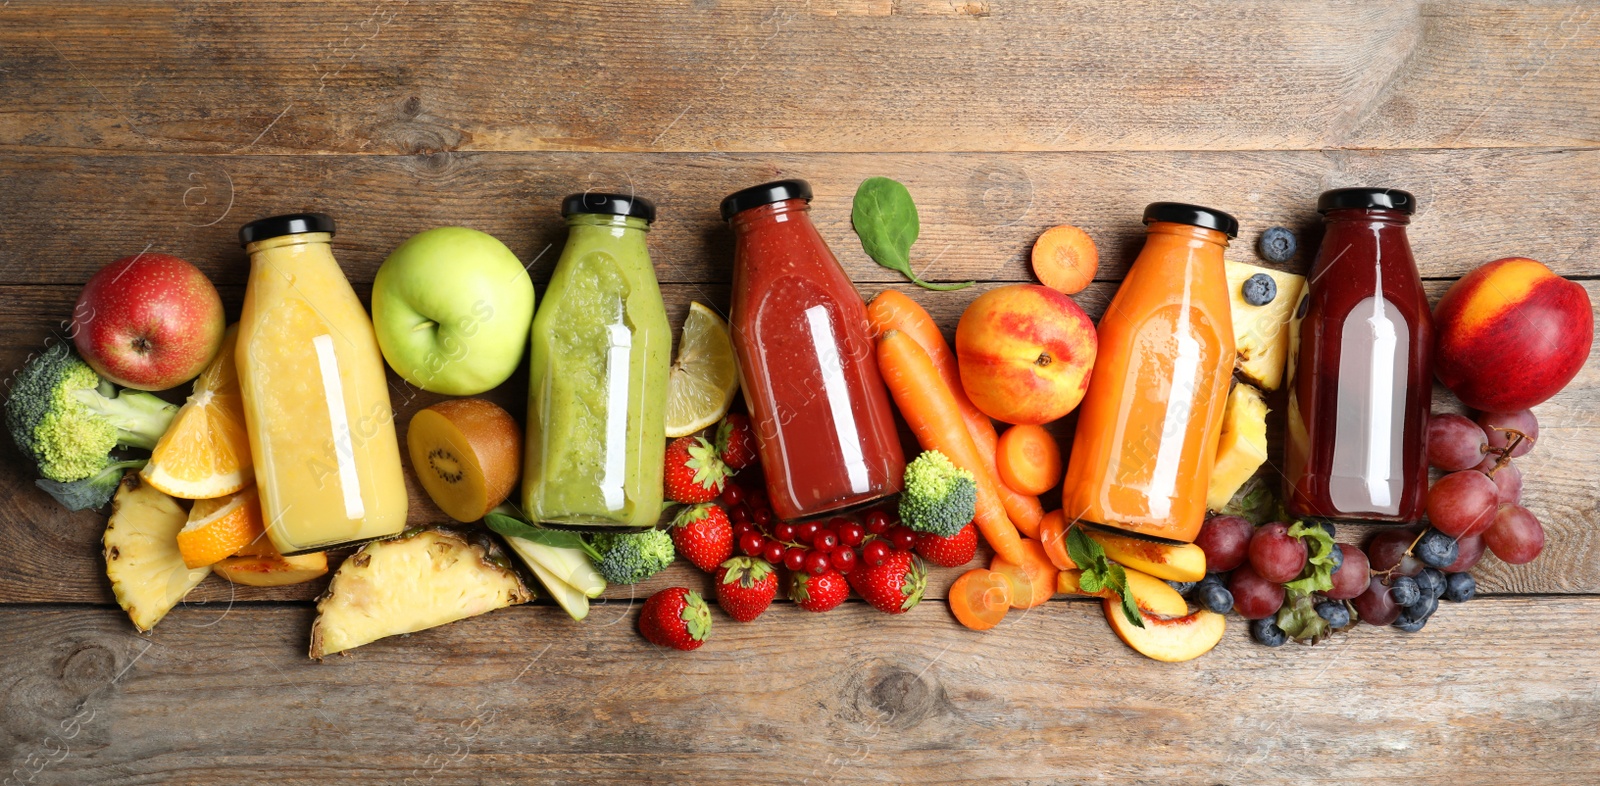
[
  {"x": 1065, "y": 259},
  {"x": 931, "y": 411},
  {"x": 1029, "y": 460},
  {"x": 1053, "y": 537},
  {"x": 894, "y": 310},
  {"x": 980, "y": 598},
  {"x": 1033, "y": 578}
]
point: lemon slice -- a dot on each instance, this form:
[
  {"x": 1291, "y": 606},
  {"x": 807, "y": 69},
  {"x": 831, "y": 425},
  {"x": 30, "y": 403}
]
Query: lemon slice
[{"x": 704, "y": 377}]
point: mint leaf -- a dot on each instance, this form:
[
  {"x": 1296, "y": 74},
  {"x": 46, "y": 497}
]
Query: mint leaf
[
  {"x": 1119, "y": 585},
  {"x": 512, "y": 527},
  {"x": 1081, "y": 550},
  {"x": 1100, "y": 573},
  {"x": 1089, "y": 582},
  {"x": 1318, "y": 574}
]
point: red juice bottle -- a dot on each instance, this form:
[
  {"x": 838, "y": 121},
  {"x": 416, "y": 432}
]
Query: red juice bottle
[
  {"x": 817, "y": 404},
  {"x": 1361, "y": 367}
]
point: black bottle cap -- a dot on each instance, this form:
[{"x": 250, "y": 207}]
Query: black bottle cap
[
  {"x": 600, "y": 203},
  {"x": 764, "y": 194},
  {"x": 1193, "y": 215},
  {"x": 288, "y": 224},
  {"x": 1367, "y": 199}
]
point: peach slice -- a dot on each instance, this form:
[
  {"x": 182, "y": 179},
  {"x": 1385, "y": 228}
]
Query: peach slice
[
  {"x": 272, "y": 570},
  {"x": 1173, "y": 562},
  {"x": 1169, "y": 639},
  {"x": 1153, "y": 595}
]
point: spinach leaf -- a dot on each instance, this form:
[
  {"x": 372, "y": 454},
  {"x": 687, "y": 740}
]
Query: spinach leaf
[{"x": 885, "y": 219}]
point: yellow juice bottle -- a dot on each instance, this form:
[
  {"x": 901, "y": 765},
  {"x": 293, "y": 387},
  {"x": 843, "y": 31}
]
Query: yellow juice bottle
[{"x": 316, "y": 400}]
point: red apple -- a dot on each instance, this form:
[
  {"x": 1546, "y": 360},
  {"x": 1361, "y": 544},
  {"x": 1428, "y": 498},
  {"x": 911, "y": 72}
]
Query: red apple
[
  {"x": 148, "y": 322},
  {"x": 1511, "y": 334},
  {"x": 1025, "y": 353}
]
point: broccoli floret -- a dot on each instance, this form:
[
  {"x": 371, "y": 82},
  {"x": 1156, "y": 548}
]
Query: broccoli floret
[
  {"x": 632, "y": 557},
  {"x": 939, "y": 498},
  {"x": 67, "y": 419},
  {"x": 91, "y": 492}
]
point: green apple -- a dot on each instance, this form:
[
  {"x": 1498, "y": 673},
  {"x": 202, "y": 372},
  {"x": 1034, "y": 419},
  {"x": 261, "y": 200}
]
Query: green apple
[{"x": 452, "y": 307}]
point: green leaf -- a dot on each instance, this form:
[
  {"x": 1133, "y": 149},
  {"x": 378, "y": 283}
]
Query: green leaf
[
  {"x": 1081, "y": 549},
  {"x": 517, "y": 528},
  {"x": 1089, "y": 582},
  {"x": 1255, "y": 501},
  {"x": 1299, "y": 618},
  {"x": 1099, "y": 573},
  {"x": 1318, "y": 574},
  {"x": 1118, "y": 583},
  {"x": 885, "y": 218}
]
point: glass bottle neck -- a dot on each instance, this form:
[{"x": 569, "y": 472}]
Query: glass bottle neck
[
  {"x": 616, "y": 225},
  {"x": 1165, "y": 236},
  {"x": 288, "y": 250},
  {"x": 766, "y": 215},
  {"x": 1391, "y": 218}
]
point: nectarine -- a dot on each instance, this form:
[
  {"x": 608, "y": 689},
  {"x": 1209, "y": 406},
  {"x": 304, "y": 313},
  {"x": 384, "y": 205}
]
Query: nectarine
[{"x": 1025, "y": 353}]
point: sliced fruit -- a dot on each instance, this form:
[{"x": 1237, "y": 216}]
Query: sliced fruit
[
  {"x": 419, "y": 580},
  {"x": 1152, "y": 595},
  {"x": 1034, "y": 581},
  {"x": 1173, "y": 562},
  {"x": 980, "y": 598},
  {"x": 1242, "y": 448},
  {"x": 571, "y": 600},
  {"x": 1261, "y": 332},
  {"x": 566, "y": 572},
  {"x": 704, "y": 377},
  {"x": 1172, "y": 640},
  {"x": 205, "y": 454},
  {"x": 467, "y": 453},
  {"x": 146, "y": 570},
  {"x": 272, "y": 570},
  {"x": 220, "y": 527}
]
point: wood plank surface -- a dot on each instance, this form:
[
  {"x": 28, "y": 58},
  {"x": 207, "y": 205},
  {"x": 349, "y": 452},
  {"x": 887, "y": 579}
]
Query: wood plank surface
[
  {"x": 796, "y": 75},
  {"x": 46, "y": 541},
  {"x": 980, "y": 212},
  {"x": 524, "y": 695}
]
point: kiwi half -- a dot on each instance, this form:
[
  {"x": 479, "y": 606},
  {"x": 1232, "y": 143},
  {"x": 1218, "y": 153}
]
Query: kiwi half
[{"x": 467, "y": 453}]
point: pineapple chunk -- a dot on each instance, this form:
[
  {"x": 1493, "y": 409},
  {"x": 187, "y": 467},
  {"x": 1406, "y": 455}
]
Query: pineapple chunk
[
  {"x": 1261, "y": 333},
  {"x": 141, "y": 548},
  {"x": 1242, "y": 449},
  {"x": 417, "y": 581}
]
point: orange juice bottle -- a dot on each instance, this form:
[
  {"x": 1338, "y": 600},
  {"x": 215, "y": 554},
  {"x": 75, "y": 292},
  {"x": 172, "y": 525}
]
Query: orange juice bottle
[
  {"x": 1149, "y": 424},
  {"x": 316, "y": 402}
]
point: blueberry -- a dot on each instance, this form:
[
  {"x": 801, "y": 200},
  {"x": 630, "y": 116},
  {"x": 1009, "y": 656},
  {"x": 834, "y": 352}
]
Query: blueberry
[
  {"x": 1404, "y": 591},
  {"x": 1183, "y": 587},
  {"x": 1259, "y": 289},
  {"x": 1460, "y": 587},
  {"x": 1213, "y": 595},
  {"x": 1327, "y": 526},
  {"x": 1431, "y": 582},
  {"x": 1266, "y": 631},
  {"x": 1277, "y": 245},
  {"x": 1414, "y": 616},
  {"x": 1408, "y": 624},
  {"x": 1436, "y": 549},
  {"x": 1337, "y": 558},
  {"x": 1335, "y": 612}
]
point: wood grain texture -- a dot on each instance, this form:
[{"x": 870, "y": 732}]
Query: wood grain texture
[
  {"x": 793, "y": 75},
  {"x": 853, "y": 696},
  {"x": 46, "y": 541},
  {"x": 980, "y": 212}
]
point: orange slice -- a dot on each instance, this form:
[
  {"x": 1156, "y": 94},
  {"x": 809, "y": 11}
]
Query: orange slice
[
  {"x": 205, "y": 453},
  {"x": 219, "y": 528}
]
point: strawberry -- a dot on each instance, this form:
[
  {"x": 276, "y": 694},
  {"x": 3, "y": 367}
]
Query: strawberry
[
  {"x": 745, "y": 587},
  {"x": 951, "y": 552},
  {"x": 694, "y": 473},
  {"x": 893, "y": 587},
  {"x": 702, "y": 533},
  {"x": 821, "y": 592},
  {"x": 736, "y": 443},
  {"x": 676, "y": 618}
]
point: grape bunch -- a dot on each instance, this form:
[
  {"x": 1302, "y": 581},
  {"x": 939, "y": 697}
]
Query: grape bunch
[{"x": 1480, "y": 494}]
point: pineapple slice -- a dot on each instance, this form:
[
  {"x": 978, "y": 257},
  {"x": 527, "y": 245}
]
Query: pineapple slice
[
  {"x": 141, "y": 548},
  {"x": 416, "y": 581},
  {"x": 1261, "y": 333},
  {"x": 1242, "y": 449}
]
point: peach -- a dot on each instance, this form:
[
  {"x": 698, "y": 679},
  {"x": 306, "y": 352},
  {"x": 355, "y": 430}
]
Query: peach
[
  {"x": 1171, "y": 640},
  {"x": 1025, "y": 352},
  {"x": 1173, "y": 562},
  {"x": 1510, "y": 335},
  {"x": 1152, "y": 595},
  {"x": 272, "y": 570}
]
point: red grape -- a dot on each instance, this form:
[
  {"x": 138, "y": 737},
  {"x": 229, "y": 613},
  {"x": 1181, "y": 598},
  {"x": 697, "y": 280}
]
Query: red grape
[
  {"x": 1225, "y": 541},
  {"x": 875, "y": 552},
  {"x": 1276, "y": 555},
  {"x": 1455, "y": 443},
  {"x": 1350, "y": 579},
  {"x": 1254, "y": 597},
  {"x": 1516, "y": 536},
  {"x": 1508, "y": 483},
  {"x": 1387, "y": 552},
  {"x": 1462, "y": 503},
  {"x": 1375, "y": 606},
  {"x": 1521, "y": 420},
  {"x": 794, "y": 558},
  {"x": 843, "y": 559},
  {"x": 1470, "y": 551}
]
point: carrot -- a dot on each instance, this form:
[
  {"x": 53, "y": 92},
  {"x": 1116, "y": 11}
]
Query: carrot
[
  {"x": 1065, "y": 259},
  {"x": 1028, "y": 459},
  {"x": 1053, "y": 537},
  {"x": 893, "y": 310},
  {"x": 934, "y": 416},
  {"x": 980, "y": 598},
  {"x": 1033, "y": 579}
]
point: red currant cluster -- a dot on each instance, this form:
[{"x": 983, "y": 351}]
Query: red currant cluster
[{"x": 839, "y": 543}]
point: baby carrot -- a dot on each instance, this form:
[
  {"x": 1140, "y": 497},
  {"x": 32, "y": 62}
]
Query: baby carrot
[{"x": 934, "y": 416}]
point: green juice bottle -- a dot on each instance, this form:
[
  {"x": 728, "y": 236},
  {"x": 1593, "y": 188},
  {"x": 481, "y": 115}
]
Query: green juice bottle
[{"x": 597, "y": 381}]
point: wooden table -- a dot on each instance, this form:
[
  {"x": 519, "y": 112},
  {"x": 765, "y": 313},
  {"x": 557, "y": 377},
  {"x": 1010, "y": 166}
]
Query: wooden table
[{"x": 140, "y": 125}]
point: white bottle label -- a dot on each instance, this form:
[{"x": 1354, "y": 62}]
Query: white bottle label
[{"x": 1374, "y": 352}]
